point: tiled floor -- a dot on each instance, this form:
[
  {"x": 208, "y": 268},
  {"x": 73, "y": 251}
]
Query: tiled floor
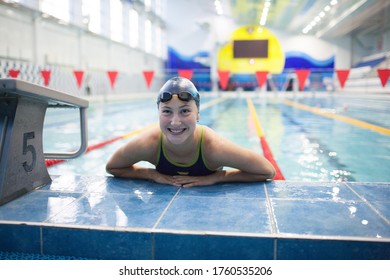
[{"x": 111, "y": 218}]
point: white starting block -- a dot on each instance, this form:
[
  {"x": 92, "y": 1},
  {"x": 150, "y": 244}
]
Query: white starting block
[{"x": 22, "y": 111}]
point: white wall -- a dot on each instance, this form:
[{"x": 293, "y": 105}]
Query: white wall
[
  {"x": 17, "y": 35},
  {"x": 29, "y": 38}
]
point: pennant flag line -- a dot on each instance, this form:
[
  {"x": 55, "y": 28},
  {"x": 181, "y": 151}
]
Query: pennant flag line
[
  {"x": 261, "y": 77},
  {"x": 148, "y": 75},
  {"x": 223, "y": 78},
  {"x": 46, "y": 76},
  {"x": 302, "y": 75},
  {"x": 342, "y": 76},
  {"x": 79, "y": 77},
  {"x": 112, "y": 75}
]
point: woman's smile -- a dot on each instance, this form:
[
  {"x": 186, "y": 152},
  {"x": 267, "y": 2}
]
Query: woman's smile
[{"x": 176, "y": 131}]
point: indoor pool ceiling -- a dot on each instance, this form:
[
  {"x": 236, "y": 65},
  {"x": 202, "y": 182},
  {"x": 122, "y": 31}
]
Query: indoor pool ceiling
[{"x": 347, "y": 17}]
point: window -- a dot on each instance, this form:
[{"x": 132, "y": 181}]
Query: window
[
  {"x": 158, "y": 44},
  {"x": 133, "y": 28},
  {"x": 58, "y": 9},
  {"x": 148, "y": 5},
  {"x": 158, "y": 8},
  {"x": 91, "y": 14},
  {"x": 116, "y": 27},
  {"x": 148, "y": 36}
]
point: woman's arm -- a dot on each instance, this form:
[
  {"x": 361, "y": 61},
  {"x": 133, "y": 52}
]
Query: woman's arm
[
  {"x": 143, "y": 147},
  {"x": 247, "y": 166},
  {"x": 220, "y": 176},
  {"x": 223, "y": 152}
]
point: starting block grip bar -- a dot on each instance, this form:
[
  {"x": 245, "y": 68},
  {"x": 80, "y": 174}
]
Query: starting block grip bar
[
  {"x": 53, "y": 98},
  {"x": 83, "y": 144}
]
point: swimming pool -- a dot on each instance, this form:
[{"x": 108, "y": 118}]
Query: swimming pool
[{"x": 312, "y": 136}]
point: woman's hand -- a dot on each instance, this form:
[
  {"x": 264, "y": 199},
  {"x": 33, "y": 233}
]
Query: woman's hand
[
  {"x": 220, "y": 176},
  {"x": 165, "y": 179},
  {"x": 191, "y": 181}
]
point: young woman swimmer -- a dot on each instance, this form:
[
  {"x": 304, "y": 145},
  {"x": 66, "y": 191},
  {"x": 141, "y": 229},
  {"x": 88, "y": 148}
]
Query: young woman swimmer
[{"x": 186, "y": 154}]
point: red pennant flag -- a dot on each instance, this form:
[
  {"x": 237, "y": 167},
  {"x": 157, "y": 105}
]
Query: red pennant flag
[
  {"x": 186, "y": 73},
  {"x": 112, "y": 76},
  {"x": 302, "y": 75},
  {"x": 342, "y": 75},
  {"x": 13, "y": 73},
  {"x": 79, "y": 77},
  {"x": 223, "y": 78},
  {"x": 46, "y": 76},
  {"x": 384, "y": 75},
  {"x": 261, "y": 77},
  {"x": 148, "y": 75}
]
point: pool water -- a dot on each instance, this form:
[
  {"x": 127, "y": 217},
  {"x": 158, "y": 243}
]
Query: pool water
[{"x": 306, "y": 146}]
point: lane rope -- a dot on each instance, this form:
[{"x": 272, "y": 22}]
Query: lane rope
[
  {"x": 263, "y": 141},
  {"x": 319, "y": 111}
]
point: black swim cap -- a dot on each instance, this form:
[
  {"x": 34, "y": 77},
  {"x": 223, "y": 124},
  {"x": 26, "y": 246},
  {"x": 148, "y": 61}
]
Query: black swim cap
[{"x": 178, "y": 85}]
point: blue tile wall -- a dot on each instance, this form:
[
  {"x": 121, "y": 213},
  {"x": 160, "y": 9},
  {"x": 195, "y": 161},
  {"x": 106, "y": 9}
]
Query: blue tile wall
[
  {"x": 217, "y": 214},
  {"x": 97, "y": 244},
  {"x": 328, "y": 218},
  {"x": 20, "y": 238},
  {"x": 110, "y": 218},
  {"x": 37, "y": 206},
  {"x": 376, "y": 194},
  {"x": 170, "y": 246},
  {"x": 312, "y": 249}
]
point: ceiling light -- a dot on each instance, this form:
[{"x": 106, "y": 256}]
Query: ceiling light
[
  {"x": 346, "y": 13},
  {"x": 265, "y": 11},
  {"x": 317, "y": 18}
]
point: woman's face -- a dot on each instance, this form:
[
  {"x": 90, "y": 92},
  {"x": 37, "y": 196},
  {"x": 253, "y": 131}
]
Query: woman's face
[{"x": 178, "y": 119}]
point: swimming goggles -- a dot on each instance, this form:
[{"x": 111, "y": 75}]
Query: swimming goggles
[{"x": 165, "y": 96}]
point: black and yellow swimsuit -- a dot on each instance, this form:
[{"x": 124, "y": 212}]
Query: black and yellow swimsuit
[{"x": 196, "y": 168}]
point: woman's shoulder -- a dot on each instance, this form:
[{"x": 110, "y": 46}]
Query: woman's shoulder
[
  {"x": 211, "y": 137},
  {"x": 214, "y": 148},
  {"x": 216, "y": 145},
  {"x": 149, "y": 135},
  {"x": 145, "y": 138},
  {"x": 143, "y": 144}
]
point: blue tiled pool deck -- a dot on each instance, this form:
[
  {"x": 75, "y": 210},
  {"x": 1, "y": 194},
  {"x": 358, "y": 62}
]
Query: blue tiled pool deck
[{"x": 111, "y": 218}]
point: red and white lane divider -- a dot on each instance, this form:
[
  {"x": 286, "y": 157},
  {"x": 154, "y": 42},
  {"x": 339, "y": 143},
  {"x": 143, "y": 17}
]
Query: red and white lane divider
[
  {"x": 263, "y": 141},
  {"x": 50, "y": 162}
]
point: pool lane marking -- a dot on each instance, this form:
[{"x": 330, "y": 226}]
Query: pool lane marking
[
  {"x": 349, "y": 120},
  {"x": 50, "y": 162},
  {"x": 213, "y": 102},
  {"x": 138, "y": 131},
  {"x": 263, "y": 141}
]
